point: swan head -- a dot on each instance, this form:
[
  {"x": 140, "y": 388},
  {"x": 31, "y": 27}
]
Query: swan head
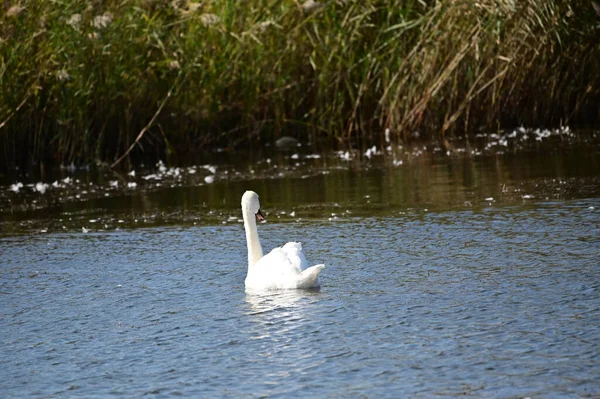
[{"x": 251, "y": 204}]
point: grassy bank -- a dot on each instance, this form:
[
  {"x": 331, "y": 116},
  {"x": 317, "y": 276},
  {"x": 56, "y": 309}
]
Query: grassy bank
[{"x": 80, "y": 80}]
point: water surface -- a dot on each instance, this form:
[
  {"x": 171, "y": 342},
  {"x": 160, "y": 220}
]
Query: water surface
[{"x": 446, "y": 276}]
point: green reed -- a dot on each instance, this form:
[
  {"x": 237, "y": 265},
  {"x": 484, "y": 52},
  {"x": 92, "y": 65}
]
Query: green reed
[{"x": 80, "y": 80}]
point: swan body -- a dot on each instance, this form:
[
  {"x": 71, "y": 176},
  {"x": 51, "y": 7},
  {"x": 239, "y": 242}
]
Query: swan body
[{"x": 284, "y": 267}]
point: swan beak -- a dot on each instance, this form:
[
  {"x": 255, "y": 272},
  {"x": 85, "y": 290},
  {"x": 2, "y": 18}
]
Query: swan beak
[{"x": 260, "y": 216}]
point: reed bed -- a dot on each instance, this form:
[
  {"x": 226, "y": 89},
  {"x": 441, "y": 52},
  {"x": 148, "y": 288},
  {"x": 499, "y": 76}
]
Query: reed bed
[{"x": 83, "y": 81}]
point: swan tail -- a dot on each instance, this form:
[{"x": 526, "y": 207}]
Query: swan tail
[{"x": 309, "y": 278}]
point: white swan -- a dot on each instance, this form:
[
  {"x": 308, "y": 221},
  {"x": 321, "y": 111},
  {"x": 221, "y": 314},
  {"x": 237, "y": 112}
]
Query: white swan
[{"x": 284, "y": 267}]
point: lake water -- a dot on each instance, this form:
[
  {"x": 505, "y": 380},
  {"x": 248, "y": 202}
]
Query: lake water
[{"x": 446, "y": 276}]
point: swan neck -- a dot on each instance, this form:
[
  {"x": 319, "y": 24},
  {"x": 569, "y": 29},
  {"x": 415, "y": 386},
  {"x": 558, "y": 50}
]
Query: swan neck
[{"x": 254, "y": 249}]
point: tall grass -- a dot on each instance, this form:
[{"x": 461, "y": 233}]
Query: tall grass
[{"x": 79, "y": 80}]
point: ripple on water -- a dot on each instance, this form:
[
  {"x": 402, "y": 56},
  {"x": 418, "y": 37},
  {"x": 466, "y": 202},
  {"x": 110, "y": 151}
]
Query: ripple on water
[{"x": 496, "y": 302}]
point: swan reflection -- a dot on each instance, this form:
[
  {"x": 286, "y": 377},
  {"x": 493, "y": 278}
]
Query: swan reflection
[
  {"x": 281, "y": 302},
  {"x": 278, "y": 318},
  {"x": 283, "y": 324}
]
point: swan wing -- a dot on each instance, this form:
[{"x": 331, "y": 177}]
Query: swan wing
[
  {"x": 293, "y": 252},
  {"x": 273, "y": 271},
  {"x": 283, "y": 260}
]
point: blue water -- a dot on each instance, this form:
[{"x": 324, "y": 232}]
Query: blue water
[{"x": 500, "y": 301}]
